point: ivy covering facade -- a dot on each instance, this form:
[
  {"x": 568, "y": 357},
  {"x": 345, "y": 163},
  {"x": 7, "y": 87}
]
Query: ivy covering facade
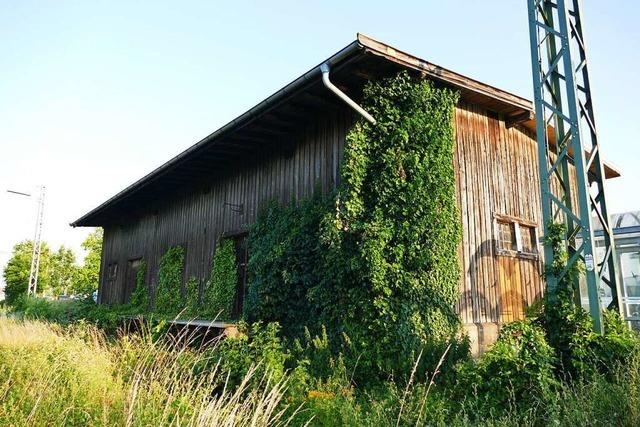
[
  {"x": 220, "y": 289},
  {"x": 376, "y": 261},
  {"x": 168, "y": 297}
]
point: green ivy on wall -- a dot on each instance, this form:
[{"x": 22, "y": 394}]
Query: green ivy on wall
[
  {"x": 168, "y": 291},
  {"x": 193, "y": 306},
  {"x": 220, "y": 289},
  {"x": 285, "y": 262},
  {"x": 378, "y": 260},
  {"x": 395, "y": 233},
  {"x": 140, "y": 295}
]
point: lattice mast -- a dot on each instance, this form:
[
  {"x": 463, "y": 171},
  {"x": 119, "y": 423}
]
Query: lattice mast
[
  {"x": 566, "y": 134},
  {"x": 37, "y": 246}
]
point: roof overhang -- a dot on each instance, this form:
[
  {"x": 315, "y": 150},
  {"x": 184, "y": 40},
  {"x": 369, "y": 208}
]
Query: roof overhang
[{"x": 282, "y": 114}]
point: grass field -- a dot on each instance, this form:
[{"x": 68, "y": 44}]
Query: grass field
[{"x": 75, "y": 375}]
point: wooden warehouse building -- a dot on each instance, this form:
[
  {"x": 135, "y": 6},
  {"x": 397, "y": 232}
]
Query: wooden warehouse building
[{"x": 292, "y": 142}]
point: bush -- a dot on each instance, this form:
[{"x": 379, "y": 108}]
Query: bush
[
  {"x": 580, "y": 351},
  {"x": 258, "y": 347},
  {"x": 518, "y": 369}
]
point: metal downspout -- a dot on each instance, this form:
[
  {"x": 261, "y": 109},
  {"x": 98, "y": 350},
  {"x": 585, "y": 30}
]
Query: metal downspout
[{"x": 325, "y": 79}]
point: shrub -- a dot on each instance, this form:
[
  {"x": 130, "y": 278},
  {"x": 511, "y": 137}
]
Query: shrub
[
  {"x": 258, "y": 347},
  {"x": 580, "y": 351},
  {"x": 518, "y": 369},
  {"x": 220, "y": 289}
]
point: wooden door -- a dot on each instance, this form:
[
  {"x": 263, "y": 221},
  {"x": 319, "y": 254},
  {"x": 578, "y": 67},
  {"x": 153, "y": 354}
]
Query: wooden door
[
  {"x": 130, "y": 279},
  {"x": 241, "y": 263},
  {"x": 512, "y": 301}
]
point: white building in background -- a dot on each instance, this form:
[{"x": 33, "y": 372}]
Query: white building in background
[{"x": 627, "y": 238}]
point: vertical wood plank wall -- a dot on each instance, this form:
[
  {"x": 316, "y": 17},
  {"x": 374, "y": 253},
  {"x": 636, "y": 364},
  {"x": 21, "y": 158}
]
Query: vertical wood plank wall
[
  {"x": 497, "y": 173},
  {"x": 196, "y": 220}
]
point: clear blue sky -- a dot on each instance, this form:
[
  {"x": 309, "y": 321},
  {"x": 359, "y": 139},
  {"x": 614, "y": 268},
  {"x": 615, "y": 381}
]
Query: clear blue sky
[{"x": 93, "y": 95}]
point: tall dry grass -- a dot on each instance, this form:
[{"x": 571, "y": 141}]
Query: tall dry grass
[{"x": 74, "y": 376}]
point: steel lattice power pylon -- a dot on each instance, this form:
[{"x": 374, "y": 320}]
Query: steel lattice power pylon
[
  {"x": 566, "y": 133},
  {"x": 37, "y": 246}
]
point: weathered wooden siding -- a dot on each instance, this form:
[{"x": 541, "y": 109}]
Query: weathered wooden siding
[
  {"x": 196, "y": 219},
  {"x": 497, "y": 173}
]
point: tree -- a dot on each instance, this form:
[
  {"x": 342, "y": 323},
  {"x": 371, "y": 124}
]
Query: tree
[
  {"x": 16, "y": 272},
  {"x": 88, "y": 275},
  {"x": 63, "y": 271}
]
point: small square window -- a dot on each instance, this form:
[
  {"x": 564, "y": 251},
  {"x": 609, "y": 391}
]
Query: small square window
[{"x": 515, "y": 236}]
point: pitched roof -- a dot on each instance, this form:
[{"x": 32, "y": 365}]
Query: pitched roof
[{"x": 362, "y": 60}]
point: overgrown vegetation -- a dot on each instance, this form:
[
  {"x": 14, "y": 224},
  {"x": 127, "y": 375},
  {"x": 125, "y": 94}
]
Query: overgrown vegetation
[
  {"x": 285, "y": 263},
  {"x": 378, "y": 260},
  {"x": 74, "y": 377},
  {"x": 351, "y": 316},
  {"x": 580, "y": 351},
  {"x": 220, "y": 289},
  {"x": 168, "y": 293},
  {"x": 140, "y": 295},
  {"x": 77, "y": 376}
]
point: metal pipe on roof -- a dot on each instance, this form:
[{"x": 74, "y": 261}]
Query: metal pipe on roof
[
  {"x": 324, "y": 68},
  {"x": 275, "y": 99}
]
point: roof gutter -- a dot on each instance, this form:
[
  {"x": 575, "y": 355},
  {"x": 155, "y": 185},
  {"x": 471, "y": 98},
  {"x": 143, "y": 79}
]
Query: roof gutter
[
  {"x": 324, "y": 68},
  {"x": 275, "y": 99}
]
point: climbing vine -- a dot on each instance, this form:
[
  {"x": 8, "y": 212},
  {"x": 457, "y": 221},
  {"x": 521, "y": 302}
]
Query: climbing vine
[
  {"x": 220, "y": 289},
  {"x": 168, "y": 291},
  {"x": 140, "y": 295},
  {"x": 396, "y": 230},
  {"x": 378, "y": 260},
  {"x": 193, "y": 306},
  {"x": 285, "y": 262},
  {"x": 579, "y": 350}
]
